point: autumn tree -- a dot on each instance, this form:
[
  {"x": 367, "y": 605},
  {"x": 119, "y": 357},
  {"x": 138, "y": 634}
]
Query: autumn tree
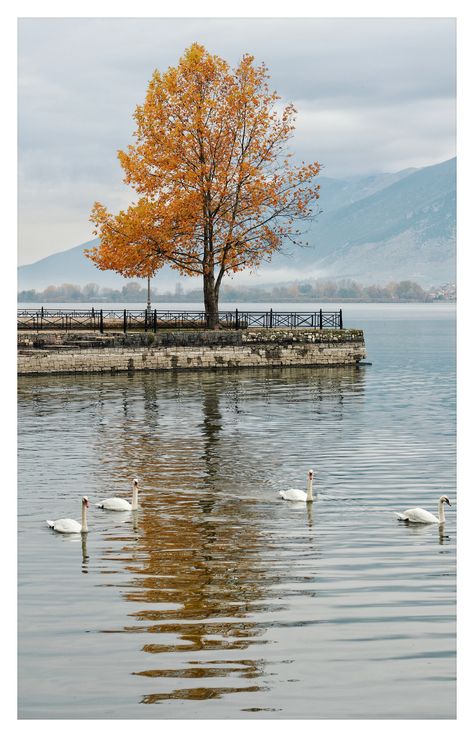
[{"x": 216, "y": 190}]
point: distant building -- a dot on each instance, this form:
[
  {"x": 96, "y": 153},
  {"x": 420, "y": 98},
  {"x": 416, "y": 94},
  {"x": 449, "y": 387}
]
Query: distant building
[{"x": 446, "y": 292}]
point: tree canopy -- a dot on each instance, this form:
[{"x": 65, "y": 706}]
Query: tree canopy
[{"x": 217, "y": 191}]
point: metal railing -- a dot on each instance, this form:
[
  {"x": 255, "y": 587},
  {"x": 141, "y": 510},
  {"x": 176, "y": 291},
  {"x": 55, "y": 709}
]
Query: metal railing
[{"x": 153, "y": 320}]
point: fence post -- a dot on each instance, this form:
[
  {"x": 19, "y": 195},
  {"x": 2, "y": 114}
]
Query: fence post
[
  {"x": 340, "y": 318},
  {"x": 125, "y": 321},
  {"x": 320, "y": 319},
  {"x": 101, "y": 321},
  {"x": 271, "y": 317},
  {"x": 154, "y": 321},
  {"x": 146, "y": 321}
]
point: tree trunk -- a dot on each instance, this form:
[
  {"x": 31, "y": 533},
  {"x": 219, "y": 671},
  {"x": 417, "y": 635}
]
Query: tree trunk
[{"x": 211, "y": 301}]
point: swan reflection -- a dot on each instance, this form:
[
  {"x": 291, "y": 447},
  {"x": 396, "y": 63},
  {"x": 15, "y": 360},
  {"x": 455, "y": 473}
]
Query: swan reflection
[
  {"x": 427, "y": 531},
  {"x": 116, "y": 519},
  {"x": 85, "y": 555},
  {"x": 443, "y": 537},
  {"x": 81, "y": 538}
]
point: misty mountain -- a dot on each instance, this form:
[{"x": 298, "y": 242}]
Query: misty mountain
[
  {"x": 403, "y": 229},
  {"x": 66, "y": 267},
  {"x": 373, "y": 229},
  {"x": 336, "y": 193},
  {"x": 406, "y": 230}
]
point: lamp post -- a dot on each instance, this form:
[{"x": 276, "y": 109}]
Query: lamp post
[{"x": 148, "y": 302}]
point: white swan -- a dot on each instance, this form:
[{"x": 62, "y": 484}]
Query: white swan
[
  {"x": 67, "y": 525},
  {"x": 116, "y": 504},
  {"x": 297, "y": 495},
  {"x": 421, "y": 516}
]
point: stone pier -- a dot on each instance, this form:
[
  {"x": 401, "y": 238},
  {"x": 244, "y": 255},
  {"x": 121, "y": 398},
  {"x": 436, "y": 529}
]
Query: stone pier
[{"x": 54, "y": 352}]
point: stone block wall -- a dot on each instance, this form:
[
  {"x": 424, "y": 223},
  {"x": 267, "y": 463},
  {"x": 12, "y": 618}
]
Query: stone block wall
[{"x": 84, "y": 352}]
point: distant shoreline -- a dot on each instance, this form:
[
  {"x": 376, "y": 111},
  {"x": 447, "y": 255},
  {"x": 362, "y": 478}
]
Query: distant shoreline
[
  {"x": 262, "y": 300},
  {"x": 344, "y": 291}
]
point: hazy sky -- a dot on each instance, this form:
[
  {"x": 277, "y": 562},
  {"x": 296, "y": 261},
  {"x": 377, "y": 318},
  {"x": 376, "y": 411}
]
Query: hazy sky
[{"x": 371, "y": 94}]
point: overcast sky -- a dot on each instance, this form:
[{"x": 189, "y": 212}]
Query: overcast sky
[{"x": 372, "y": 95}]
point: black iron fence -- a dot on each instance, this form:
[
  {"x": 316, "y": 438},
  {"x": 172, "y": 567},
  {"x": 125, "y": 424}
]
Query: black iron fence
[{"x": 153, "y": 320}]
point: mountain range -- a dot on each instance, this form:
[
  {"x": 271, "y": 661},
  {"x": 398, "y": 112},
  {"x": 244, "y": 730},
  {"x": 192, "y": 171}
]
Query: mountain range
[{"x": 373, "y": 229}]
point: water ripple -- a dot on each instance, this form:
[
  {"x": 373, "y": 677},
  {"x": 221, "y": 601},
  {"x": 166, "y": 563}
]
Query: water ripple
[{"x": 218, "y": 581}]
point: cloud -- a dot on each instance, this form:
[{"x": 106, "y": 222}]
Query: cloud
[
  {"x": 376, "y": 137},
  {"x": 372, "y": 95}
]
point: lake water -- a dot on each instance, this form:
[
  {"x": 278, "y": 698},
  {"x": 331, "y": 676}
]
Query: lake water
[{"x": 218, "y": 600}]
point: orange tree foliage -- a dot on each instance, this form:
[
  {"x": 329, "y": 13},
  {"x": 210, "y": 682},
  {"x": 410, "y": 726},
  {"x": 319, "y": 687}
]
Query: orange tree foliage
[{"x": 216, "y": 190}]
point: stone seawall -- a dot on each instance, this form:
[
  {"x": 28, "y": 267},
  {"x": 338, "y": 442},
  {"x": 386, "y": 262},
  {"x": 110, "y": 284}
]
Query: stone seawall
[{"x": 85, "y": 352}]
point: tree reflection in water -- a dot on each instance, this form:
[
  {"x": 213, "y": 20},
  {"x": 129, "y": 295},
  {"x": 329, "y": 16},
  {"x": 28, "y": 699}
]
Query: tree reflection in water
[{"x": 205, "y": 553}]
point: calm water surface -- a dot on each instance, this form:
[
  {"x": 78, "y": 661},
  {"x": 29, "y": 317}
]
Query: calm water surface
[{"x": 217, "y": 599}]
